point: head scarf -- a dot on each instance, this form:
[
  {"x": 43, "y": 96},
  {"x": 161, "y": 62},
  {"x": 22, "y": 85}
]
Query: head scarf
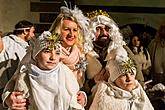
[{"x": 45, "y": 40}]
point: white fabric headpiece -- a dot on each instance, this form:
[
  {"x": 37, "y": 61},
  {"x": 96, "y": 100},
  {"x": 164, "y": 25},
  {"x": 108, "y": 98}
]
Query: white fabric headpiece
[
  {"x": 119, "y": 64},
  {"x": 45, "y": 40},
  {"x": 22, "y": 28}
]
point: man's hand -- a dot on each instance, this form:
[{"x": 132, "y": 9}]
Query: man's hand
[{"x": 16, "y": 101}]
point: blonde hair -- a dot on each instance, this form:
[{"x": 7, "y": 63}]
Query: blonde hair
[{"x": 57, "y": 24}]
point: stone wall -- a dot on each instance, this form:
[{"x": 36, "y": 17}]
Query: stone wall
[{"x": 11, "y": 11}]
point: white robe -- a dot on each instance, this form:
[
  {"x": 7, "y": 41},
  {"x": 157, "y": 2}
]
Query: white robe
[
  {"x": 52, "y": 90},
  {"x": 110, "y": 97}
]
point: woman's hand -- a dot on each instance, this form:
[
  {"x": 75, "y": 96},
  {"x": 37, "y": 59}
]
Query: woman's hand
[
  {"x": 81, "y": 98},
  {"x": 15, "y": 101}
]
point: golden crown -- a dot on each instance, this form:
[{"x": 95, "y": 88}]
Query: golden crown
[
  {"x": 95, "y": 13},
  {"x": 47, "y": 40},
  {"x": 127, "y": 66}
]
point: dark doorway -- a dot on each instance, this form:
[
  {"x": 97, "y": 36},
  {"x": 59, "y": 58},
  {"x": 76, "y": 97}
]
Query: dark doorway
[{"x": 146, "y": 31}]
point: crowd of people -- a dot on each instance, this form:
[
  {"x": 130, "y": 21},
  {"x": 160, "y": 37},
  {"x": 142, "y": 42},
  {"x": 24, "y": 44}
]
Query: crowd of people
[{"x": 81, "y": 62}]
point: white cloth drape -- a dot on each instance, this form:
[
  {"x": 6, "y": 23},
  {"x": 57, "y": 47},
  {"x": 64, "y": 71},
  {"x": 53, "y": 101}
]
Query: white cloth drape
[
  {"x": 55, "y": 89},
  {"x": 111, "y": 97}
]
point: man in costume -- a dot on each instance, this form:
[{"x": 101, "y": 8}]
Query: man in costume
[
  {"x": 106, "y": 37},
  {"x": 12, "y": 50}
]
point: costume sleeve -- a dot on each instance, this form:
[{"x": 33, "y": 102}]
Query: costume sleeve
[
  {"x": 12, "y": 83},
  {"x": 147, "y": 105},
  {"x": 72, "y": 87},
  {"x": 93, "y": 67},
  {"x": 97, "y": 101},
  {"x": 8, "y": 89}
]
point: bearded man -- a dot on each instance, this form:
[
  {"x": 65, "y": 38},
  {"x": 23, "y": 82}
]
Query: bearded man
[{"x": 106, "y": 37}]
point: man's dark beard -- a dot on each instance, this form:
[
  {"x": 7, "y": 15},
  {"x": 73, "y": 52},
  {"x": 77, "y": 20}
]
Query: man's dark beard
[
  {"x": 100, "y": 47},
  {"x": 102, "y": 42}
]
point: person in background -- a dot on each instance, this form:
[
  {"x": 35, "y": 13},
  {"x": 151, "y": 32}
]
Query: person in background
[
  {"x": 42, "y": 82},
  {"x": 142, "y": 55},
  {"x": 157, "y": 53},
  {"x": 122, "y": 91},
  {"x": 126, "y": 32},
  {"x": 105, "y": 36},
  {"x": 13, "y": 48},
  {"x": 146, "y": 37}
]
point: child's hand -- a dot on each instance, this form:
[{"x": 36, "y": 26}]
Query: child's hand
[
  {"x": 16, "y": 101},
  {"x": 81, "y": 98}
]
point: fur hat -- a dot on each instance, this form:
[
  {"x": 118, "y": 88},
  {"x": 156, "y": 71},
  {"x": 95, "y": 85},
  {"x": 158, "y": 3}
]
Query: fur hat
[{"x": 119, "y": 64}]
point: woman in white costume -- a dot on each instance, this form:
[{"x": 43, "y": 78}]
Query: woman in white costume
[
  {"x": 122, "y": 91},
  {"x": 72, "y": 26},
  {"x": 47, "y": 83}
]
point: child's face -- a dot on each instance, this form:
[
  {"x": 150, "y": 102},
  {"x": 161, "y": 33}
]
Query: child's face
[
  {"x": 48, "y": 59},
  {"x": 126, "y": 81}
]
